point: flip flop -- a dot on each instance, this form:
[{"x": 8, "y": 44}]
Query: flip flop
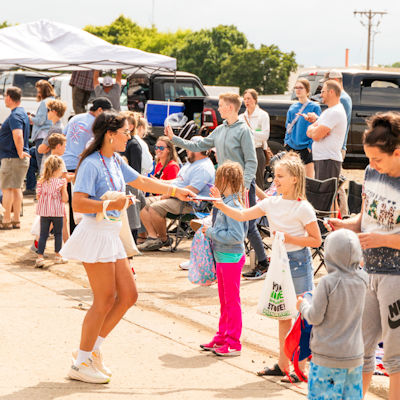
[
  {"x": 292, "y": 378},
  {"x": 274, "y": 371},
  {"x": 5, "y": 226},
  {"x": 16, "y": 224}
]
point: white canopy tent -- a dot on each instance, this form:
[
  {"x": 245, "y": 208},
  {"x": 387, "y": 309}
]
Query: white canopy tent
[{"x": 47, "y": 45}]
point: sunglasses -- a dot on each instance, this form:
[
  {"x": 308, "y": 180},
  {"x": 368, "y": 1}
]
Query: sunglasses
[
  {"x": 161, "y": 148},
  {"x": 48, "y": 110}
]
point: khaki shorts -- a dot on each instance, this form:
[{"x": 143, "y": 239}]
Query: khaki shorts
[
  {"x": 171, "y": 205},
  {"x": 13, "y": 172}
]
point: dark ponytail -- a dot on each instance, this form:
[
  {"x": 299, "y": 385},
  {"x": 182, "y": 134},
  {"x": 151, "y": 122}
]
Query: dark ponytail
[
  {"x": 106, "y": 121},
  {"x": 383, "y": 132}
]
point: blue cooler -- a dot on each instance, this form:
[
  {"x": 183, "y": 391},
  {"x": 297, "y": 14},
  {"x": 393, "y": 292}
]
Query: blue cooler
[{"x": 157, "y": 111}]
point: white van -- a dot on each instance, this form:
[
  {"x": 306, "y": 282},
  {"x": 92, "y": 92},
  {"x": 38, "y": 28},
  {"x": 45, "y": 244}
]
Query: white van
[{"x": 26, "y": 81}]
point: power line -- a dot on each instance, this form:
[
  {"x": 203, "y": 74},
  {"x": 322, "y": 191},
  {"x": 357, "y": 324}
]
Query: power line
[{"x": 369, "y": 16}]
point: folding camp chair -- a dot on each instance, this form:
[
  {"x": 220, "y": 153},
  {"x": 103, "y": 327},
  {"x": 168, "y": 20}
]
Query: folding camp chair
[
  {"x": 354, "y": 197},
  {"x": 187, "y": 132},
  {"x": 179, "y": 227},
  {"x": 321, "y": 195}
]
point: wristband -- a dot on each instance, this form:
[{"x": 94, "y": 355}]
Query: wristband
[{"x": 173, "y": 191}]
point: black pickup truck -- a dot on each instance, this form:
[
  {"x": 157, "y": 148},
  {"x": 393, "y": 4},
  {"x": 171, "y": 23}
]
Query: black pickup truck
[{"x": 371, "y": 92}]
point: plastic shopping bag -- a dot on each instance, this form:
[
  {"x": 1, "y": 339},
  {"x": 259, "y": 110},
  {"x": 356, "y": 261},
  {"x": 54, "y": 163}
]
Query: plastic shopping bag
[
  {"x": 202, "y": 266},
  {"x": 278, "y": 297}
]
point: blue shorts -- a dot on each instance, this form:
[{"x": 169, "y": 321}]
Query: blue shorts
[
  {"x": 302, "y": 270},
  {"x": 334, "y": 383}
]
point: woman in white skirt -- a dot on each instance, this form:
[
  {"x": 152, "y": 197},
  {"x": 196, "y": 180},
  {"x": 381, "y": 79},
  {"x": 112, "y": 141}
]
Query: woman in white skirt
[{"x": 97, "y": 243}]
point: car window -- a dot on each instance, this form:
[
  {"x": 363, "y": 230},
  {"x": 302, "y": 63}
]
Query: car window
[
  {"x": 315, "y": 84},
  {"x": 27, "y": 84},
  {"x": 385, "y": 93},
  {"x": 183, "y": 89}
]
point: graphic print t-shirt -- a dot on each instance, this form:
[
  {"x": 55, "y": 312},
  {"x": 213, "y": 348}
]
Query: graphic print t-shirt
[{"x": 381, "y": 214}]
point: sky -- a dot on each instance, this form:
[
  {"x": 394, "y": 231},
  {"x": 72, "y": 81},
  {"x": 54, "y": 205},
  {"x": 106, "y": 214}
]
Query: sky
[{"x": 317, "y": 31}]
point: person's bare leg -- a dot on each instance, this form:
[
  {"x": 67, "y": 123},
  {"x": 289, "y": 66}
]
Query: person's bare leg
[
  {"x": 102, "y": 281},
  {"x": 310, "y": 173},
  {"x": 284, "y": 328},
  {"x": 159, "y": 224},
  {"x": 147, "y": 222},
  {"x": 7, "y": 204},
  {"x": 16, "y": 204},
  {"x": 367, "y": 377},
  {"x": 126, "y": 296},
  {"x": 65, "y": 232},
  {"x": 394, "y": 386}
]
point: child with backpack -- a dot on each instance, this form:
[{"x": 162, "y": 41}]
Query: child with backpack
[
  {"x": 51, "y": 193},
  {"x": 335, "y": 311},
  {"x": 227, "y": 236},
  {"x": 288, "y": 212}
]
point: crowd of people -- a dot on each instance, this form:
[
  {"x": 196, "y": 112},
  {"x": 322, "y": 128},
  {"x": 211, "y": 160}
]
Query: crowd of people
[{"x": 99, "y": 165}]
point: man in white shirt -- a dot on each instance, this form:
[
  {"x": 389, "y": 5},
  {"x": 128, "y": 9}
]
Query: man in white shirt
[{"x": 328, "y": 133}]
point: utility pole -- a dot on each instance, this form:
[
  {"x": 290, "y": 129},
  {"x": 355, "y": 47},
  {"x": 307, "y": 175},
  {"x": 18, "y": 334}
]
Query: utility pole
[{"x": 369, "y": 15}]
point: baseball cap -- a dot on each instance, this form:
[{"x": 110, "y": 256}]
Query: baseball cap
[
  {"x": 107, "y": 81},
  {"x": 101, "y": 102},
  {"x": 332, "y": 74}
]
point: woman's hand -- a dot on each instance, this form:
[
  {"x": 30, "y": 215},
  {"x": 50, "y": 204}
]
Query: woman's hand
[
  {"x": 184, "y": 194},
  {"x": 204, "y": 229},
  {"x": 371, "y": 240},
  {"x": 333, "y": 224},
  {"x": 117, "y": 204}
]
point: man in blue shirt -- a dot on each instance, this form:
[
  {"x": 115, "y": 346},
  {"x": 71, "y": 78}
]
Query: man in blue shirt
[
  {"x": 198, "y": 175},
  {"x": 14, "y": 157},
  {"x": 78, "y": 132}
]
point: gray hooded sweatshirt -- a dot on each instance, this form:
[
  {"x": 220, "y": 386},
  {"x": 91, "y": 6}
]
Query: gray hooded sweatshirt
[{"x": 337, "y": 304}]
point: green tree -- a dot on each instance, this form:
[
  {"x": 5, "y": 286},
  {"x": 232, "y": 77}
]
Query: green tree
[
  {"x": 4, "y": 24},
  {"x": 266, "y": 69},
  {"x": 125, "y": 32},
  {"x": 396, "y": 65},
  {"x": 203, "y": 52}
]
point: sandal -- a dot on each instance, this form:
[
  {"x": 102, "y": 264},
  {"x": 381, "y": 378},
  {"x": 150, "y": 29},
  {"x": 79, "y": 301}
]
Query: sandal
[
  {"x": 291, "y": 378},
  {"x": 275, "y": 371},
  {"x": 5, "y": 226},
  {"x": 16, "y": 224}
]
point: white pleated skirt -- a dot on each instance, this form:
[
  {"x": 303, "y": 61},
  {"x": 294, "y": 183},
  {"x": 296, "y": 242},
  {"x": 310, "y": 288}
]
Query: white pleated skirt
[{"x": 94, "y": 241}]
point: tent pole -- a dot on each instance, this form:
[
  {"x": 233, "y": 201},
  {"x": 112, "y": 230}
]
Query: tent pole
[{"x": 175, "y": 83}]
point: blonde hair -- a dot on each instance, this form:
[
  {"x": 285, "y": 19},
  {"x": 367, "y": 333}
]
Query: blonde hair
[
  {"x": 51, "y": 165},
  {"x": 58, "y": 106},
  {"x": 133, "y": 118},
  {"x": 142, "y": 121},
  {"x": 295, "y": 167},
  {"x": 232, "y": 98},
  {"x": 230, "y": 173}
]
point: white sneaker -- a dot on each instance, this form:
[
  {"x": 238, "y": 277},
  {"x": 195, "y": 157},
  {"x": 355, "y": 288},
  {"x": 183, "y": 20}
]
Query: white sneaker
[
  {"x": 60, "y": 260},
  {"x": 185, "y": 265},
  {"x": 86, "y": 372},
  {"x": 98, "y": 363},
  {"x": 39, "y": 263}
]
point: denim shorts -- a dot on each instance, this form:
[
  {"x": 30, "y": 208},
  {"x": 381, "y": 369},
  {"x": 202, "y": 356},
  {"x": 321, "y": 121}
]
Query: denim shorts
[{"x": 301, "y": 269}]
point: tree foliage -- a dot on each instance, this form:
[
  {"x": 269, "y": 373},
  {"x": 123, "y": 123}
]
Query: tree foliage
[
  {"x": 266, "y": 69},
  {"x": 221, "y": 55},
  {"x": 4, "y": 24}
]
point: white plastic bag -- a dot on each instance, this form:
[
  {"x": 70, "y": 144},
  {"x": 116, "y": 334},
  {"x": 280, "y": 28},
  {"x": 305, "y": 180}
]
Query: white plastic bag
[
  {"x": 278, "y": 297},
  {"x": 176, "y": 120}
]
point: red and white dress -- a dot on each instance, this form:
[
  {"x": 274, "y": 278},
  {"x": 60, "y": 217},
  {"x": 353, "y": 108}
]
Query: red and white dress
[{"x": 50, "y": 203}]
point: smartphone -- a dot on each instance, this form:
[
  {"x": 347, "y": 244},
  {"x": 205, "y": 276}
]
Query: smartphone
[{"x": 328, "y": 225}]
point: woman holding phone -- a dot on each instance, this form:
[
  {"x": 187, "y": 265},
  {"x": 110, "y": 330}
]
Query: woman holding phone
[{"x": 296, "y": 138}]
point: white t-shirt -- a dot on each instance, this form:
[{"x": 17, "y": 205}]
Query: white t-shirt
[
  {"x": 147, "y": 158},
  {"x": 259, "y": 124},
  {"x": 288, "y": 216},
  {"x": 329, "y": 148}
]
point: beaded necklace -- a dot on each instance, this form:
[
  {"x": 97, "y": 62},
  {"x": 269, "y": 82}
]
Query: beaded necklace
[{"x": 107, "y": 172}]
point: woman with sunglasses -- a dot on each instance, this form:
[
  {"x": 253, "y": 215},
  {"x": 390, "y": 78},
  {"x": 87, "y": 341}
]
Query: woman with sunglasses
[
  {"x": 296, "y": 138},
  {"x": 167, "y": 166},
  {"x": 96, "y": 242}
]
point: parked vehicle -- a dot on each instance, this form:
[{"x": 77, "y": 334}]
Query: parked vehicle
[{"x": 25, "y": 80}]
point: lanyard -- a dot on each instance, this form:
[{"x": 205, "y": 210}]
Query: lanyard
[{"x": 107, "y": 172}]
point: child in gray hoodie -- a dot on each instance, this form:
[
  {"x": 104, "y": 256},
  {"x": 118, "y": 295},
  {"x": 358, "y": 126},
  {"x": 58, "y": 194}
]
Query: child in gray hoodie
[{"x": 335, "y": 312}]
